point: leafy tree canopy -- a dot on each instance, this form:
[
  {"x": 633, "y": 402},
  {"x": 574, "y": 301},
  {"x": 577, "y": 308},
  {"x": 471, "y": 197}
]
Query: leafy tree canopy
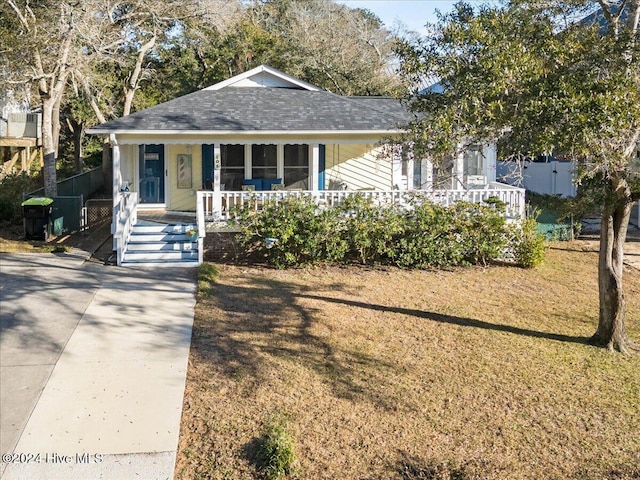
[
  {"x": 527, "y": 76},
  {"x": 538, "y": 77}
]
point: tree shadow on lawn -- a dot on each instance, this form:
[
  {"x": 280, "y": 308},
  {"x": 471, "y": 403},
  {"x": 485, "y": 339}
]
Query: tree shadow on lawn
[
  {"x": 265, "y": 322},
  {"x": 453, "y": 320},
  {"x": 243, "y": 329}
]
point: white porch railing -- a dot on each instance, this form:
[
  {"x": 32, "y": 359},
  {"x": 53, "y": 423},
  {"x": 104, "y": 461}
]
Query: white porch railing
[
  {"x": 218, "y": 206},
  {"x": 125, "y": 213}
]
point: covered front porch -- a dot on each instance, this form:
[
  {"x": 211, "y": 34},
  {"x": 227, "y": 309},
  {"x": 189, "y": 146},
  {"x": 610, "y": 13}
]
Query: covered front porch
[
  {"x": 215, "y": 209},
  {"x": 210, "y": 181}
]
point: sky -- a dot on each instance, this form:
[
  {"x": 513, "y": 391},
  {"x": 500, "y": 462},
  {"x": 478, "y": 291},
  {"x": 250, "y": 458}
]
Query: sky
[{"x": 414, "y": 14}]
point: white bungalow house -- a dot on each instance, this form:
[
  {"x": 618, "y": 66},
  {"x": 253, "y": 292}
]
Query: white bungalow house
[{"x": 265, "y": 135}]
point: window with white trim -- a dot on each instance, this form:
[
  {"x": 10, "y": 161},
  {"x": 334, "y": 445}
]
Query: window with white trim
[
  {"x": 296, "y": 166},
  {"x": 264, "y": 161},
  {"x": 231, "y": 167}
]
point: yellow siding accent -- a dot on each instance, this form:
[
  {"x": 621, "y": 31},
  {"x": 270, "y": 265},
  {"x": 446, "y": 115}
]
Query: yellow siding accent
[
  {"x": 360, "y": 166},
  {"x": 184, "y": 199}
]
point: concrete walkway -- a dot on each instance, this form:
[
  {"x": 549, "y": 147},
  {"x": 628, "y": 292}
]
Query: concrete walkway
[{"x": 93, "y": 367}]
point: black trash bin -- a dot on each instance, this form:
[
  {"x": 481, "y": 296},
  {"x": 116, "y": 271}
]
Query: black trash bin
[{"x": 37, "y": 217}]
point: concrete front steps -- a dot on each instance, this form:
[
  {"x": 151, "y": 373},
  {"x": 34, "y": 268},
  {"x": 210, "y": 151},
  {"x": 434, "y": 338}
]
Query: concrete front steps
[{"x": 161, "y": 245}]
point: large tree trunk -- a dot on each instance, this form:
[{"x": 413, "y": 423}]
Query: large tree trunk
[
  {"x": 55, "y": 125},
  {"x": 48, "y": 146},
  {"x": 611, "y": 332}
]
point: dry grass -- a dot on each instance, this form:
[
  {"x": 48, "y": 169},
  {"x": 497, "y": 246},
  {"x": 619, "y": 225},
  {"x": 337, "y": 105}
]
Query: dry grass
[
  {"x": 11, "y": 241},
  {"x": 384, "y": 373}
]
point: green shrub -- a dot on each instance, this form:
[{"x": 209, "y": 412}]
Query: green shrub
[
  {"x": 443, "y": 237},
  {"x": 12, "y": 187},
  {"x": 369, "y": 230},
  {"x": 430, "y": 239},
  {"x": 276, "y": 455},
  {"x": 297, "y": 232},
  {"x": 528, "y": 244},
  {"x": 483, "y": 231},
  {"x": 295, "y": 225}
]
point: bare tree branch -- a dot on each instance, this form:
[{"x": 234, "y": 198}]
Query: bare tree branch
[{"x": 21, "y": 17}]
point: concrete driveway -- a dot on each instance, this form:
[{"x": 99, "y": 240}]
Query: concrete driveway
[
  {"x": 42, "y": 298},
  {"x": 93, "y": 365}
]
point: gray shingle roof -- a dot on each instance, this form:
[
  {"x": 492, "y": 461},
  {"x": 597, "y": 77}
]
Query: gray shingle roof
[{"x": 264, "y": 109}]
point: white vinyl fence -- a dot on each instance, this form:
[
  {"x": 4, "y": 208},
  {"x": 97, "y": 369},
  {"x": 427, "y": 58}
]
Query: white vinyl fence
[{"x": 551, "y": 178}]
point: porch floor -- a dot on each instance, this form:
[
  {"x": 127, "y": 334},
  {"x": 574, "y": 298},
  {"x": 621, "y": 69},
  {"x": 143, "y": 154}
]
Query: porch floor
[{"x": 166, "y": 217}]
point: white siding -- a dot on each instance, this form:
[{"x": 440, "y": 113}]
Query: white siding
[{"x": 263, "y": 79}]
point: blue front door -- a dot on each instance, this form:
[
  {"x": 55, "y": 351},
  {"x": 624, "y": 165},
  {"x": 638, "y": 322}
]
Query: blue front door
[{"x": 151, "y": 173}]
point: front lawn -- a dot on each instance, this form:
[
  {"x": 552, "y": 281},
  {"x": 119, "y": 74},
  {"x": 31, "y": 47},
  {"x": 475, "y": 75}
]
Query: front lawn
[
  {"x": 12, "y": 241},
  {"x": 385, "y": 373}
]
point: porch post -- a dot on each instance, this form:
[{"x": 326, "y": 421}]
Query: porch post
[
  {"x": 426, "y": 174},
  {"x": 490, "y": 154},
  {"x": 458, "y": 170},
  {"x": 217, "y": 198},
  {"x": 410, "y": 170},
  {"x": 117, "y": 175},
  {"x": 247, "y": 161},
  {"x": 280, "y": 161},
  {"x": 216, "y": 167},
  {"x": 314, "y": 173},
  {"x": 396, "y": 165}
]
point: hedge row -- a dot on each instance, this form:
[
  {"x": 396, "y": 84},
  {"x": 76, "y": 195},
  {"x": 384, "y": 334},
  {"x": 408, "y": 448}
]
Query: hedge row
[{"x": 296, "y": 232}]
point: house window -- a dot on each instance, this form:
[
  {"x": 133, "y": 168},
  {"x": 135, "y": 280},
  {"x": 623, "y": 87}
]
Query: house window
[
  {"x": 417, "y": 174},
  {"x": 264, "y": 161},
  {"x": 473, "y": 161},
  {"x": 443, "y": 177},
  {"x": 296, "y": 166},
  {"x": 231, "y": 167}
]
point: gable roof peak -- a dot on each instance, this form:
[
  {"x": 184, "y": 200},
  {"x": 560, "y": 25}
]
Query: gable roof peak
[{"x": 266, "y": 77}]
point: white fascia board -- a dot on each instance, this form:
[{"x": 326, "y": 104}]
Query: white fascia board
[
  {"x": 245, "y": 133},
  {"x": 248, "y": 138}
]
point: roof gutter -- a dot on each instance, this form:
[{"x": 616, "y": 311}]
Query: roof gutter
[{"x": 244, "y": 133}]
